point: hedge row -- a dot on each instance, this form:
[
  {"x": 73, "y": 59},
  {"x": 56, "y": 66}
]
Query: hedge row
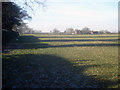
[{"x": 8, "y": 35}]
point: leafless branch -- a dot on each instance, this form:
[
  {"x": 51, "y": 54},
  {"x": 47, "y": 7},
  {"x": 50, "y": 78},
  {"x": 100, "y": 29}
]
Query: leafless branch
[
  {"x": 26, "y": 3},
  {"x": 29, "y": 2}
]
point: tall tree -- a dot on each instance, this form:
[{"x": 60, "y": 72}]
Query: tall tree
[{"x": 12, "y": 15}]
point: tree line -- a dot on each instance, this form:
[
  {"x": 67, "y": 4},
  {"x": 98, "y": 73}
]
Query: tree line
[{"x": 85, "y": 30}]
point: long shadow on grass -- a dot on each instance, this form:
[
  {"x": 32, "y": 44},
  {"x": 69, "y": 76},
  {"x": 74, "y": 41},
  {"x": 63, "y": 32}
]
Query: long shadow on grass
[
  {"x": 81, "y": 40},
  {"x": 78, "y": 36},
  {"x": 31, "y": 42},
  {"x": 37, "y": 46},
  {"x": 48, "y": 71},
  {"x": 35, "y": 39}
]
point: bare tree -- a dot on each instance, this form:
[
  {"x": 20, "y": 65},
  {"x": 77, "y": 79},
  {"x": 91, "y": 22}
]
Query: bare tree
[
  {"x": 69, "y": 30},
  {"x": 55, "y": 30},
  {"x": 31, "y": 3},
  {"x": 86, "y": 30}
]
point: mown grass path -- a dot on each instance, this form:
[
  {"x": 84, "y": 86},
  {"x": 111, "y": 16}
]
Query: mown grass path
[{"x": 62, "y": 61}]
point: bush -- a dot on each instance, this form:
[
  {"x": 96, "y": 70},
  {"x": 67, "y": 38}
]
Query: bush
[{"x": 8, "y": 35}]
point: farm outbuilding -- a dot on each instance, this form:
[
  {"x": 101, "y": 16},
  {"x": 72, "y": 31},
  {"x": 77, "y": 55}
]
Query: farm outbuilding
[
  {"x": 94, "y": 32},
  {"x": 77, "y": 32}
]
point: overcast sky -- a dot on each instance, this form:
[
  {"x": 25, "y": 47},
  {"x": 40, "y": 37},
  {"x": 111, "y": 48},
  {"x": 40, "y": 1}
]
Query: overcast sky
[{"x": 62, "y": 14}]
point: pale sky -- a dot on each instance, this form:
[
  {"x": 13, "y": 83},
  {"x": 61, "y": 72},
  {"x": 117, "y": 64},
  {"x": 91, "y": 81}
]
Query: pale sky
[{"x": 62, "y": 14}]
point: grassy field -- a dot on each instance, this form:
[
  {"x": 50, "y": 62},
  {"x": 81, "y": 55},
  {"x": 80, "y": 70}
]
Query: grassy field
[{"x": 53, "y": 61}]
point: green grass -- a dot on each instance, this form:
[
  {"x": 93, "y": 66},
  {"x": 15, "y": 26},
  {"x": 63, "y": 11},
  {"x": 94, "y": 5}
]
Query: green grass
[{"x": 52, "y": 63}]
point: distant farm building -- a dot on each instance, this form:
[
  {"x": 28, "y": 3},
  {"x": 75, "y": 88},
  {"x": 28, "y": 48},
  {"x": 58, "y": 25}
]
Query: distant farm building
[
  {"x": 77, "y": 32},
  {"x": 94, "y": 32}
]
